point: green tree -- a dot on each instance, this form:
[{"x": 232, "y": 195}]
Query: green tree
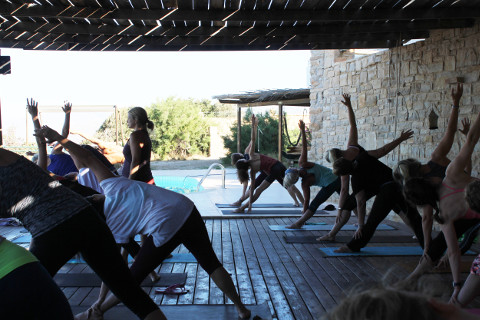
[
  {"x": 267, "y": 137},
  {"x": 181, "y": 129}
]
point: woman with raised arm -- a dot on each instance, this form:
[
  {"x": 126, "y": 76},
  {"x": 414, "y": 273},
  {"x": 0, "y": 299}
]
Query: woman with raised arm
[
  {"x": 432, "y": 173},
  {"x": 138, "y": 149},
  {"x": 61, "y": 163},
  {"x": 57, "y": 219},
  {"x": 456, "y": 198},
  {"x": 167, "y": 218},
  {"x": 318, "y": 175},
  {"x": 270, "y": 169},
  {"x": 434, "y": 170},
  {"x": 370, "y": 177}
]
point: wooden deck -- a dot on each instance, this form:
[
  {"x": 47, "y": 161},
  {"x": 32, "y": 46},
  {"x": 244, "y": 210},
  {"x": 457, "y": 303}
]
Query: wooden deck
[{"x": 295, "y": 280}]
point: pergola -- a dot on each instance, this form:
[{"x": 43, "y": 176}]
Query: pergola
[
  {"x": 284, "y": 97},
  {"x": 203, "y": 25}
]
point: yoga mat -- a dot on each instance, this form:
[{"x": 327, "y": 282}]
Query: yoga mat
[
  {"x": 176, "y": 258},
  {"x": 343, "y": 239},
  {"x": 293, "y": 211},
  {"x": 377, "y": 251},
  {"x": 28, "y": 237},
  {"x": 259, "y": 205},
  {"x": 326, "y": 227},
  {"x": 92, "y": 280},
  {"x": 188, "y": 311},
  {"x": 23, "y": 239},
  {"x": 181, "y": 258}
]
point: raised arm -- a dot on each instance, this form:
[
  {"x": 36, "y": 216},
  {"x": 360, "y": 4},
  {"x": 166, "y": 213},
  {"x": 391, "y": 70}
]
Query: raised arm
[
  {"x": 462, "y": 160},
  {"x": 32, "y": 107},
  {"x": 303, "y": 160},
  {"x": 439, "y": 155},
  {"x": 82, "y": 157},
  {"x": 99, "y": 143},
  {"x": 253, "y": 136},
  {"x": 353, "y": 135},
  {"x": 67, "y": 108},
  {"x": 382, "y": 151}
]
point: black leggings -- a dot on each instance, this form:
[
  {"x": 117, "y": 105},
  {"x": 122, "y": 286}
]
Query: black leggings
[
  {"x": 388, "y": 198},
  {"x": 29, "y": 293},
  {"x": 277, "y": 172},
  {"x": 193, "y": 235},
  {"x": 468, "y": 227},
  {"x": 88, "y": 234}
]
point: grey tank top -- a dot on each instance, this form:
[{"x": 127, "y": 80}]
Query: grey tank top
[{"x": 29, "y": 194}]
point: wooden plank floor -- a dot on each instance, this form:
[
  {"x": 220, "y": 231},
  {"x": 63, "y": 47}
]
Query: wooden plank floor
[{"x": 295, "y": 280}]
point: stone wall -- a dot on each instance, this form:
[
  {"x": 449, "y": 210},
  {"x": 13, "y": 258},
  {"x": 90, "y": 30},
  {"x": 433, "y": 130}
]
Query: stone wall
[{"x": 394, "y": 90}]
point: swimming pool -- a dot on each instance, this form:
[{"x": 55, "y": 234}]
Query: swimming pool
[{"x": 178, "y": 184}]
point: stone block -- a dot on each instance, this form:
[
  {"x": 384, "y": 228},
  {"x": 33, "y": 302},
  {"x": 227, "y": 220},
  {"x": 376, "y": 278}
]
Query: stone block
[
  {"x": 371, "y": 100},
  {"x": 363, "y": 76},
  {"x": 435, "y": 67},
  {"x": 449, "y": 63},
  {"x": 343, "y": 79}
]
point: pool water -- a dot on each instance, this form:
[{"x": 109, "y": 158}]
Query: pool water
[{"x": 178, "y": 184}]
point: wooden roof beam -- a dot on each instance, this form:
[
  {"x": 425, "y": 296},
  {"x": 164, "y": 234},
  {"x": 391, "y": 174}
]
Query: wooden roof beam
[{"x": 38, "y": 11}]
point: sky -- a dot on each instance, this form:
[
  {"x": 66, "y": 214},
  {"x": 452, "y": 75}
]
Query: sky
[{"x": 127, "y": 79}]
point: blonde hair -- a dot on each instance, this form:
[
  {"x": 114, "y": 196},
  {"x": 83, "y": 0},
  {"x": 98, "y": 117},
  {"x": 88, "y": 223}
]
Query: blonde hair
[
  {"x": 382, "y": 303},
  {"x": 291, "y": 177},
  {"x": 406, "y": 169},
  {"x": 333, "y": 155}
]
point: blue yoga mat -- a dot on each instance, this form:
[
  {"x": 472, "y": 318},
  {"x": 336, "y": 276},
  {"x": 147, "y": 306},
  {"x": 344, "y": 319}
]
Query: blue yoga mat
[
  {"x": 259, "y": 205},
  {"x": 326, "y": 227},
  {"x": 289, "y": 212},
  {"x": 176, "y": 258},
  {"x": 28, "y": 237},
  {"x": 378, "y": 251}
]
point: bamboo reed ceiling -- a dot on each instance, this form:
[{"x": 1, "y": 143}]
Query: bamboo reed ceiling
[{"x": 203, "y": 25}]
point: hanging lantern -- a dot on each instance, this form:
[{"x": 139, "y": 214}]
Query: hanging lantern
[{"x": 433, "y": 120}]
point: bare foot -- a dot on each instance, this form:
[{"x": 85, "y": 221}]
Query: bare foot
[
  {"x": 295, "y": 225},
  {"x": 296, "y": 204},
  {"x": 239, "y": 210},
  {"x": 236, "y": 203},
  {"x": 326, "y": 237},
  {"x": 343, "y": 249},
  {"x": 154, "y": 276}
]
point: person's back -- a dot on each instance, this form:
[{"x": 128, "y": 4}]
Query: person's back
[{"x": 61, "y": 164}]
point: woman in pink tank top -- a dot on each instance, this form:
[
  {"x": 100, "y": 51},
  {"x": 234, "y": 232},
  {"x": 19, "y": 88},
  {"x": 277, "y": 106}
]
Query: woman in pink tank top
[
  {"x": 270, "y": 170},
  {"x": 458, "y": 197}
]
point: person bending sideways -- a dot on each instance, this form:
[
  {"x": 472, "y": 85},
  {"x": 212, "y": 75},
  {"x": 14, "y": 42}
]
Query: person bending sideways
[{"x": 166, "y": 218}]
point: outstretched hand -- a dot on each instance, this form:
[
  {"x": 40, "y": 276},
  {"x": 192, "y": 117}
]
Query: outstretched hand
[
  {"x": 67, "y": 107},
  {"x": 301, "y": 125},
  {"x": 466, "y": 126},
  {"x": 32, "y": 107},
  {"x": 405, "y": 135},
  {"x": 346, "y": 100},
  {"x": 457, "y": 94},
  {"x": 49, "y": 134}
]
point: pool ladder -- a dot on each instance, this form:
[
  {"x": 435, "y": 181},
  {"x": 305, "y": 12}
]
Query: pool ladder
[{"x": 208, "y": 172}]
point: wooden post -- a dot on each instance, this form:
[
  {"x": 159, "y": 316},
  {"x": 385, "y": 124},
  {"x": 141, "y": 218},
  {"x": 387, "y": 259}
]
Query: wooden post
[
  {"x": 116, "y": 125},
  {"x": 121, "y": 127},
  {"x": 239, "y": 127},
  {"x": 280, "y": 130}
]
